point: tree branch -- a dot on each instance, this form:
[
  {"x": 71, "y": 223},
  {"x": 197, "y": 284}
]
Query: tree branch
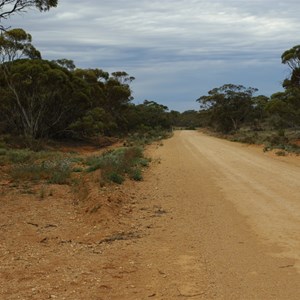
[{"x": 10, "y": 7}]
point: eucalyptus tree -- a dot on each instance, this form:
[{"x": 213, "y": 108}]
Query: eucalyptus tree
[
  {"x": 117, "y": 95},
  {"x": 291, "y": 57},
  {"x": 228, "y": 106},
  {"x": 259, "y": 114},
  {"x": 66, "y": 63},
  {"x": 189, "y": 119},
  {"x": 40, "y": 98},
  {"x": 284, "y": 107},
  {"x": 17, "y": 44},
  {"x": 147, "y": 116}
]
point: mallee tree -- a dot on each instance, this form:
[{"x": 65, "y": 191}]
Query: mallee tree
[{"x": 228, "y": 106}]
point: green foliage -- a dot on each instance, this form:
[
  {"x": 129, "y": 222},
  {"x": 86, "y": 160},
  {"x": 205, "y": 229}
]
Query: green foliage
[
  {"x": 228, "y": 106},
  {"x": 136, "y": 174},
  {"x": 55, "y": 171},
  {"x": 54, "y": 167},
  {"x": 149, "y": 115},
  {"x": 3, "y": 151},
  {"x": 20, "y": 156},
  {"x": 189, "y": 119},
  {"x": 285, "y": 140},
  {"x": 277, "y": 139},
  {"x": 114, "y": 165},
  {"x": 65, "y": 63},
  {"x": 246, "y": 137},
  {"x": 77, "y": 169},
  {"x": 60, "y": 174},
  {"x": 145, "y": 135},
  {"x": 144, "y": 162},
  {"x": 15, "y": 44},
  {"x": 115, "y": 177},
  {"x": 91, "y": 123},
  {"x": 286, "y": 107},
  {"x": 40, "y": 98},
  {"x": 291, "y": 57},
  {"x": 281, "y": 153}
]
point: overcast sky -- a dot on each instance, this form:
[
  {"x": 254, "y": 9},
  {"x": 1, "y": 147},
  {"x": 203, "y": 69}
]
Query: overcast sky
[{"x": 177, "y": 50}]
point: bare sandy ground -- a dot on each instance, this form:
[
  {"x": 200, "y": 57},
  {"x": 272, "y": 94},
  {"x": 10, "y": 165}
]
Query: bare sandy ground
[{"x": 212, "y": 220}]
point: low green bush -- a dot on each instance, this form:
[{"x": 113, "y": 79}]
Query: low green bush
[
  {"x": 20, "y": 156},
  {"x": 77, "y": 169},
  {"x": 146, "y": 136},
  {"x": 284, "y": 140},
  {"x": 3, "y": 151},
  {"x": 136, "y": 174},
  {"x": 54, "y": 171},
  {"x": 144, "y": 162},
  {"x": 281, "y": 153},
  {"x": 115, "y": 164},
  {"x": 115, "y": 177}
]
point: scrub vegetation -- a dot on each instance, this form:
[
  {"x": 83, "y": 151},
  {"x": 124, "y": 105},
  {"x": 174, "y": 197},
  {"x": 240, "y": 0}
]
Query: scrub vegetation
[
  {"x": 44, "y": 101},
  {"x": 237, "y": 113}
]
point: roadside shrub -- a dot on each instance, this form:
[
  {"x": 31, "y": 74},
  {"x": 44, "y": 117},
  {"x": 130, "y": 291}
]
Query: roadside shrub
[
  {"x": 136, "y": 174},
  {"x": 3, "y": 161},
  {"x": 61, "y": 170},
  {"x": 115, "y": 177},
  {"x": 19, "y": 156},
  {"x": 77, "y": 169},
  {"x": 244, "y": 138},
  {"x": 3, "y": 151},
  {"x": 55, "y": 171},
  {"x": 116, "y": 164},
  {"x": 190, "y": 128},
  {"x": 277, "y": 139},
  {"x": 2, "y": 144},
  {"x": 280, "y": 153},
  {"x": 147, "y": 135},
  {"x": 144, "y": 162},
  {"x": 281, "y": 139},
  {"x": 28, "y": 172}
]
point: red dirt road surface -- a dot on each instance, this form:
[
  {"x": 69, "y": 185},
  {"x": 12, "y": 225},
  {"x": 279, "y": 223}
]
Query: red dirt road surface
[{"x": 211, "y": 220}]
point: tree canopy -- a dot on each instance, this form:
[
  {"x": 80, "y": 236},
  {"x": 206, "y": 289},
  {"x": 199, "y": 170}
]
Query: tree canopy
[
  {"x": 41, "y": 98},
  {"x": 50, "y": 98},
  {"x": 291, "y": 57},
  {"x": 228, "y": 105},
  {"x": 16, "y": 44}
]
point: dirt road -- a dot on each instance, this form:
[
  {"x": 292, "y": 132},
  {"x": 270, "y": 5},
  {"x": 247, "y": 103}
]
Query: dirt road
[
  {"x": 226, "y": 227},
  {"x": 211, "y": 220}
]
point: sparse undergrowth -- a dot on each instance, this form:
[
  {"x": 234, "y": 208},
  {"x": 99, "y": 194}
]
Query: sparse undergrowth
[
  {"x": 146, "y": 136},
  {"x": 116, "y": 164},
  {"x": 27, "y": 165},
  {"x": 54, "y": 171},
  {"x": 57, "y": 168},
  {"x": 283, "y": 141}
]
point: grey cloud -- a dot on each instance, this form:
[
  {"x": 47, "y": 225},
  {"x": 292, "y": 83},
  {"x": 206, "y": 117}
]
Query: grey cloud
[{"x": 171, "y": 46}]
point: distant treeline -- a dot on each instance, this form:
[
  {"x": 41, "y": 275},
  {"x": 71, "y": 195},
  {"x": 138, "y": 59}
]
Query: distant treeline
[
  {"x": 229, "y": 107},
  {"x": 41, "y": 99}
]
